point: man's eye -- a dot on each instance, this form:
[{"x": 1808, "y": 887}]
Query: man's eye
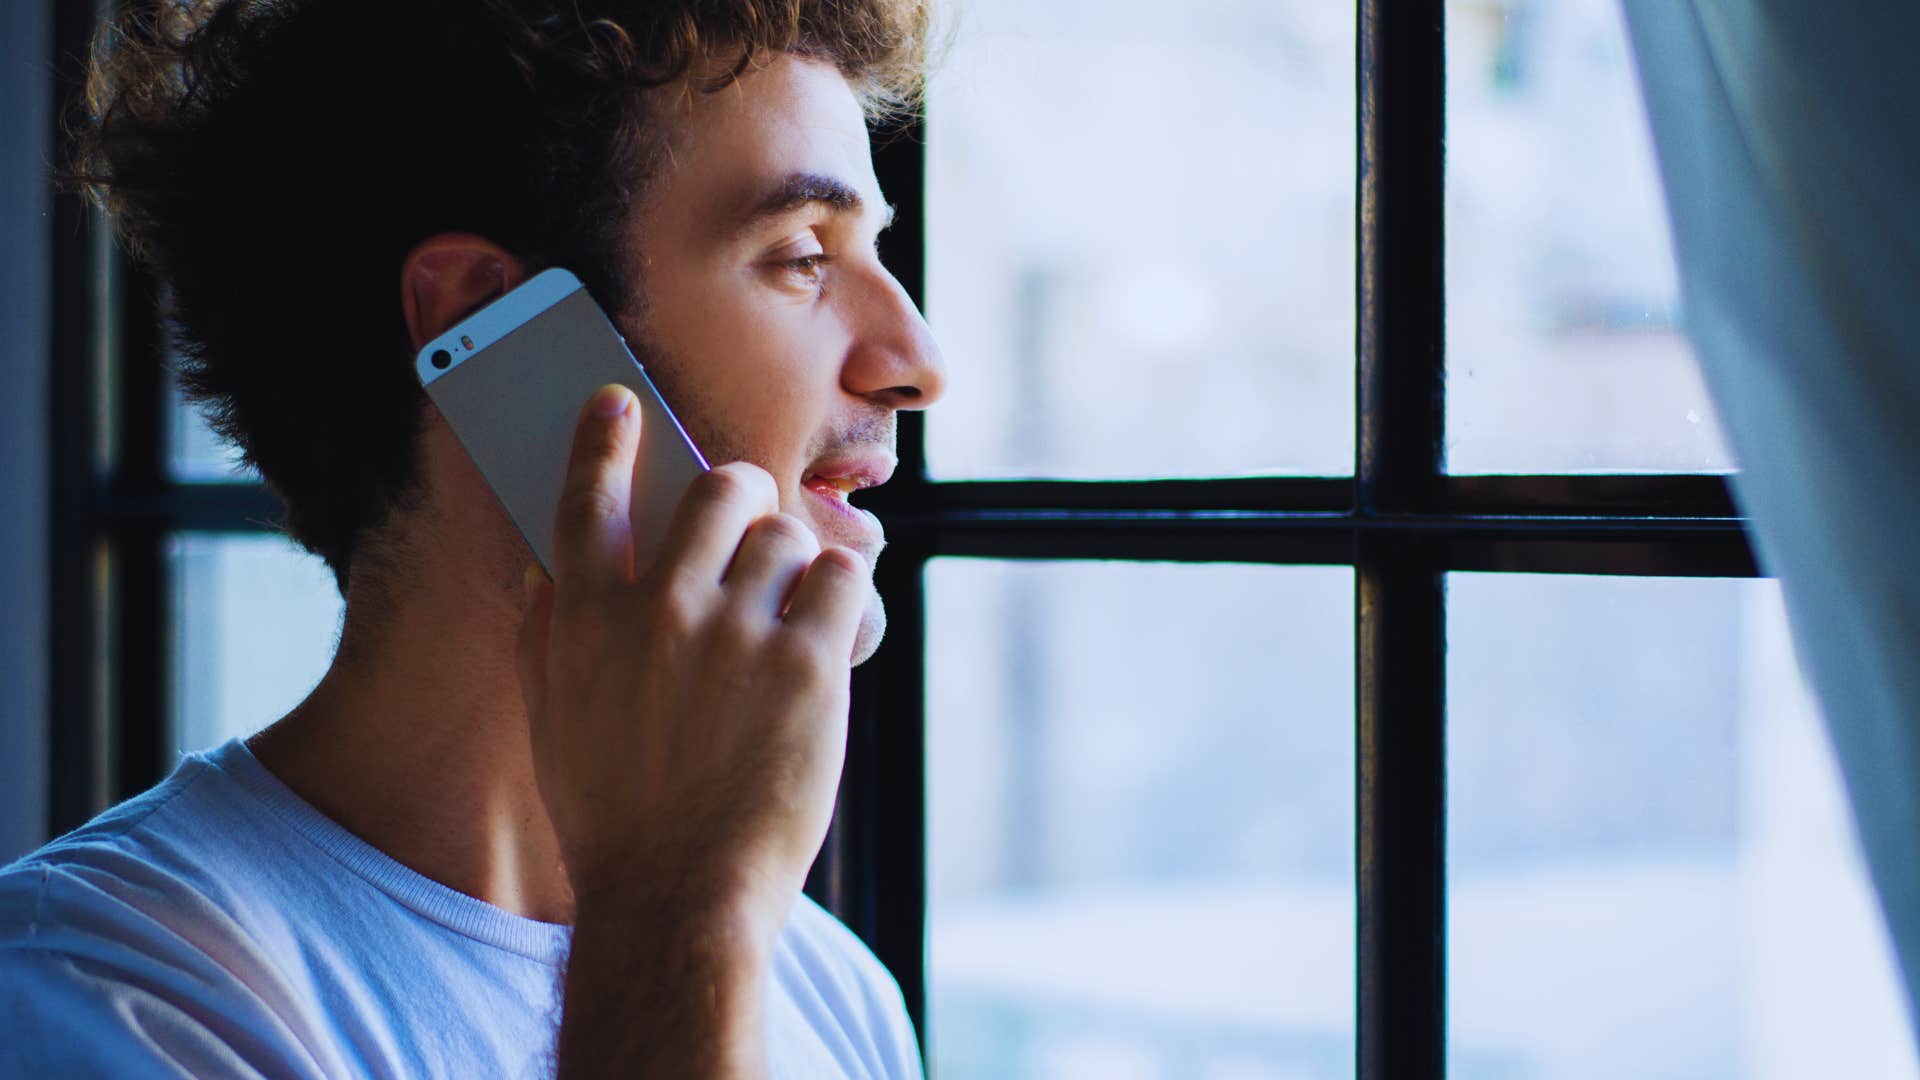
[
  {"x": 802, "y": 274},
  {"x": 807, "y": 266}
]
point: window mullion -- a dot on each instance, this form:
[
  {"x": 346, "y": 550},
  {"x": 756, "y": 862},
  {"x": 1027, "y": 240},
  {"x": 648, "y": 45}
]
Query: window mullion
[
  {"x": 139, "y": 586},
  {"x": 1400, "y": 691},
  {"x": 78, "y": 784}
]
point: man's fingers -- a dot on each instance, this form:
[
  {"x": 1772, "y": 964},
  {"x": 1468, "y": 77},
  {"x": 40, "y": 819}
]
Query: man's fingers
[
  {"x": 713, "y": 516},
  {"x": 592, "y": 537},
  {"x": 776, "y": 551},
  {"x": 830, "y": 600}
]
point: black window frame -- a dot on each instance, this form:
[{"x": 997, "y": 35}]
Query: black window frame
[{"x": 1400, "y": 521}]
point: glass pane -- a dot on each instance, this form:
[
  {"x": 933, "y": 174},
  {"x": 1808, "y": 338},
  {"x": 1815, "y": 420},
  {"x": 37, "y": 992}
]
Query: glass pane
[
  {"x": 1653, "y": 873},
  {"x": 1564, "y": 353},
  {"x": 256, "y": 623},
  {"x": 197, "y": 455},
  {"x": 1140, "y": 241},
  {"x": 1140, "y": 821}
]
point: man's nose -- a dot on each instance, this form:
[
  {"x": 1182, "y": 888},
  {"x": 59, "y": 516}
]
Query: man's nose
[{"x": 893, "y": 358}]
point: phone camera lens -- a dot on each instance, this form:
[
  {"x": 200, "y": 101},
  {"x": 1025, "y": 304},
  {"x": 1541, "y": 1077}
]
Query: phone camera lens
[{"x": 442, "y": 358}]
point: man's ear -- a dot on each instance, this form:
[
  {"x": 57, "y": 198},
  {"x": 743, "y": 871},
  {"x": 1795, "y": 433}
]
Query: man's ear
[{"x": 450, "y": 276}]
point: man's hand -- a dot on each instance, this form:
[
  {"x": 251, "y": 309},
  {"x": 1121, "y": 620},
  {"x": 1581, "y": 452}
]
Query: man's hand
[{"x": 688, "y": 726}]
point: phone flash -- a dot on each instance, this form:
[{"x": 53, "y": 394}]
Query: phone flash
[{"x": 466, "y": 342}]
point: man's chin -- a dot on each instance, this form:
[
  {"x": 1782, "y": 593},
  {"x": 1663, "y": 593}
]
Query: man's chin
[{"x": 873, "y": 627}]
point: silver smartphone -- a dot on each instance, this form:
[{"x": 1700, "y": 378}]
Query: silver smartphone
[{"x": 511, "y": 380}]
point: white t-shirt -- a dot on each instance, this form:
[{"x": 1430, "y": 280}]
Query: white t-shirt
[{"x": 218, "y": 925}]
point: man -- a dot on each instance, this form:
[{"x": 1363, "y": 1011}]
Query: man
[{"x": 521, "y": 824}]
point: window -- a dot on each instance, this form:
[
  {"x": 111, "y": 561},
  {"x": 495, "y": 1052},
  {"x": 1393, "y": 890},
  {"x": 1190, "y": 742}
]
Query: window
[
  {"x": 1139, "y": 818},
  {"x": 256, "y": 621},
  {"x": 1651, "y": 870},
  {"x": 1562, "y": 293},
  {"x": 1265, "y": 694}
]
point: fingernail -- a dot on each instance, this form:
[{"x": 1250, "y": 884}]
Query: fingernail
[
  {"x": 531, "y": 579},
  {"x": 610, "y": 401}
]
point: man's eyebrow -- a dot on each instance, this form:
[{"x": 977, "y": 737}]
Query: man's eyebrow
[{"x": 798, "y": 190}]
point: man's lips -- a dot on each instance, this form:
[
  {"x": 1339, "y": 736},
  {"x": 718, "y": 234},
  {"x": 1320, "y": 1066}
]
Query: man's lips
[
  {"x": 838, "y": 477},
  {"x": 830, "y": 480}
]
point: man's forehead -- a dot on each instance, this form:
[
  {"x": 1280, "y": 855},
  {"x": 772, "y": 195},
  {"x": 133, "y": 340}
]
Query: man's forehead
[{"x": 786, "y": 136}]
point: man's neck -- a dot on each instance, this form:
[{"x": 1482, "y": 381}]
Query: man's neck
[{"x": 416, "y": 742}]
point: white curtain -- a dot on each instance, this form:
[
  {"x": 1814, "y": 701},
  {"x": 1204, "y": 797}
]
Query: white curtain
[{"x": 1789, "y": 140}]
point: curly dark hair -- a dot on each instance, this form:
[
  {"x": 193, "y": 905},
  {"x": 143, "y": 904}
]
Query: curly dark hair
[{"x": 274, "y": 161}]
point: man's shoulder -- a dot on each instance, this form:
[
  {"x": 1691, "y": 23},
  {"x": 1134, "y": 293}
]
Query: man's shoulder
[
  {"x": 821, "y": 958},
  {"x": 133, "y": 872},
  {"x": 115, "y": 828},
  {"x": 826, "y": 944},
  {"x": 116, "y": 961}
]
